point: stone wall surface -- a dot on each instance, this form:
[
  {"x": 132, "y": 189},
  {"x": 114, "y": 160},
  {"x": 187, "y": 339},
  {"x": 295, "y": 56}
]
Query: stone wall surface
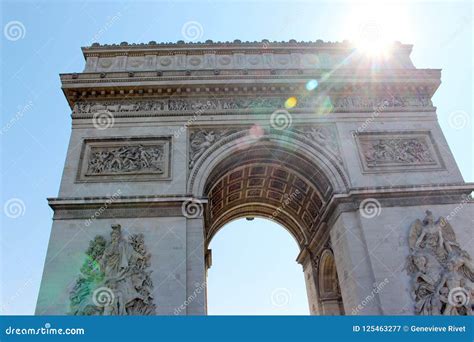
[{"x": 170, "y": 142}]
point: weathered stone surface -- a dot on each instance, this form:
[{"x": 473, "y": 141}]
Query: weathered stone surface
[{"x": 173, "y": 141}]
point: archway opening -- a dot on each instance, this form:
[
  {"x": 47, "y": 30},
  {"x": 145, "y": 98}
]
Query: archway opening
[
  {"x": 275, "y": 177},
  {"x": 330, "y": 297},
  {"x": 254, "y": 271}
]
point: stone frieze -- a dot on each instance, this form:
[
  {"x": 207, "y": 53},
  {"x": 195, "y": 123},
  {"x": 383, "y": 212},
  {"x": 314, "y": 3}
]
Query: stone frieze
[{"x": 178, "y": 104}]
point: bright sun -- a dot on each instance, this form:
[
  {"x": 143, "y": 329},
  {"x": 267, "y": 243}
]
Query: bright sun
[{"x": 373, "y": 26}]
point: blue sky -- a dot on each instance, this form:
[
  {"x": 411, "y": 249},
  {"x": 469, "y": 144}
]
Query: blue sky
[{"x": 35, "y": 121}]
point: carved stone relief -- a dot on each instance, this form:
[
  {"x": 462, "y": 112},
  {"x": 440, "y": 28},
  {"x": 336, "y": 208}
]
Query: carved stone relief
[
  {"x": 387, "y": 102},
  {"x": 134, "y": 159},
  {"x": 442, "y": 273},
  {"x": 201, "y": 140},
  {"x": 252, "y": 59},
  {"x": 392, "y": 151},
  {"x": 324, "y": 136},
  {"x": 126, "y": 159},
  {"x": 115, "y": 278},
  {"x": 193, "y": 105}
]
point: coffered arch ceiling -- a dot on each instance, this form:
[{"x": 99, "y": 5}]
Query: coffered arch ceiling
[{"x": 271, "y": 180}]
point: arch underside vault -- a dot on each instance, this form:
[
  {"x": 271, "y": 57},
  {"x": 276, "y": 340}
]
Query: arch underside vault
[
  {"x": 269, "y": 179},
  {"x": 280, "y": 178}
]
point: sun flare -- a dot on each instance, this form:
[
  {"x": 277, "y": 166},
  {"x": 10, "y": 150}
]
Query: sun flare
[{"x": 374, "y": 26}]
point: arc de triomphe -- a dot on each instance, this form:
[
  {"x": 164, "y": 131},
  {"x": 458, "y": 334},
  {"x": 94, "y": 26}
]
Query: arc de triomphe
[{"x": 170, "y": 142}]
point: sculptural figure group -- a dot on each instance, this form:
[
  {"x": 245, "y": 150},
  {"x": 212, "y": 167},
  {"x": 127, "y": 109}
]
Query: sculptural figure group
[
  {"x": 114, "y": 278},
  {"x": 443, "y": 274},
  {"x": 126, "y": 159}
]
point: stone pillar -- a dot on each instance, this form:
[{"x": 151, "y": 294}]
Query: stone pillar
[
  {"x": 310, "y": 277},
  {"x": 195, "y": 268},
  {"x": 354, "y": 267},
  {"x": 331, "y": 307}
]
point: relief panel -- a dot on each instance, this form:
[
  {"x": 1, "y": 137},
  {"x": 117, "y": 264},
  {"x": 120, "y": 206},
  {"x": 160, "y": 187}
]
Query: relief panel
[
  {"x": 122, "y": 159},
  {"x": 398, "y": 151}
]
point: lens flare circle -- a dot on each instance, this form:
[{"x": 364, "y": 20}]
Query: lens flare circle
[
  {"x": 311, "y": 85},
  {"x": 291, "y": 102}
]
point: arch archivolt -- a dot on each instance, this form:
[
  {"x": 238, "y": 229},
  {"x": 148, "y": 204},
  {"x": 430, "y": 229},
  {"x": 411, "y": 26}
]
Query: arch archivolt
[
  {"x": 284, "y": 176},
  {"x": 329, "y": 292},
  {"x": 227, "y": 141},
  {"x": 328, "y": 283},
  {"x": 258, "y": 209}
]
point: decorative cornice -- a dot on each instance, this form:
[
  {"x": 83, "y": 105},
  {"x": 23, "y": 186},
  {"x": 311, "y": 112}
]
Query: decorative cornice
[
  {"x": 236, "y": 45},
  {"x": 398, "y": 196},
  {"x": 120, "y": 86},
  {"x": 95, "y": 202}
]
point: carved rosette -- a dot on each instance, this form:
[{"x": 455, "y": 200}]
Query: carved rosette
[
  {"x": 442, "y": 273},
  {"x": 115, "y": 278}
]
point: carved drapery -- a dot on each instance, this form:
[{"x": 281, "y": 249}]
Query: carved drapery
[
  {"x": 442, "y": 273},
  {"x": 115, "y": 278}
]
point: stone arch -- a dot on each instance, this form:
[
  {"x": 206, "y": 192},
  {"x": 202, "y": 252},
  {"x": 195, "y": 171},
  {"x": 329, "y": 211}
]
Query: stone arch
[
  {"x": 328, "y": 285},
  {"x": 278, "y": 175},
  {"x": 240, "y": 139}
]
